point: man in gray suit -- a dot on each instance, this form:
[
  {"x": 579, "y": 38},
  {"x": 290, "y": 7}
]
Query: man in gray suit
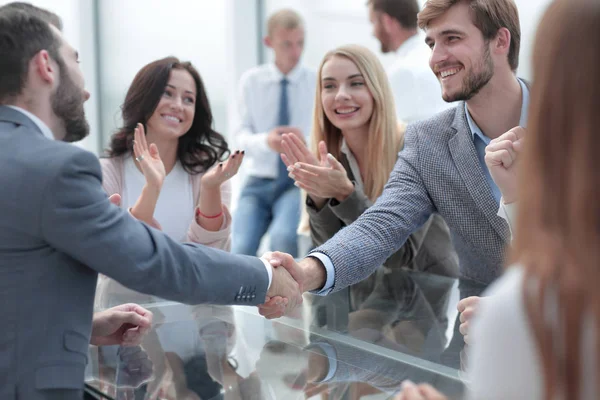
[
  {"x": 475, "y": 53},
  {"x": 58, "y": 229}
]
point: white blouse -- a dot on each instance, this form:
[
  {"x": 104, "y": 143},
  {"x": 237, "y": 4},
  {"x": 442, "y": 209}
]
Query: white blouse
[{"x": 175, "y": 206}]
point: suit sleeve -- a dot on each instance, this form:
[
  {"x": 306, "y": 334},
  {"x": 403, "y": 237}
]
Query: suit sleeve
[
  {"x": 77, "y": 219},
  {"x": 405, "y": 205}
]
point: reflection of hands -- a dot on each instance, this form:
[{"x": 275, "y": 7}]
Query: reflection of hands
[
  {"x": 123, "y": 325},
  {"x": 467, "y": 308},
  {"x": 312, "y": 362},
  {"x": 410, "y": 391},
  {"x": 135, "y": 368},
  {"x": 148, "y": 159},
  {"x": 223, "y": 171},
  {"x": 501, "y": 158}
]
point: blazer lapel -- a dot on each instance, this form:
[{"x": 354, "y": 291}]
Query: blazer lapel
[{"x": 465, "y": 158}]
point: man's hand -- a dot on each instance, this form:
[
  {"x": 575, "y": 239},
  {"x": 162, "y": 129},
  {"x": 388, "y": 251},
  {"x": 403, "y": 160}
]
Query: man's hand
[
  {"x": 124, "y": 325},
  {"x": 284, "y": 285},
  {"x": 467, "y": 308},
  {"x": 410, "y": 391},
  {"x": 502, "y": 160},
  {"x": 115, "y": 199},
  {"x": 276, "y": 135},
  {"x": 309, "y": 273}
]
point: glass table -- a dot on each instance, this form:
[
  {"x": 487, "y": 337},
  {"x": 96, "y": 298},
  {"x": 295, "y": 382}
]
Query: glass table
[{"x": 360, "y": 343}]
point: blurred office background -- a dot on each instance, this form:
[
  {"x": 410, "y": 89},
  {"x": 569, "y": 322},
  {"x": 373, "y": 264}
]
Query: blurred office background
[{"x": 222, "y": 38}]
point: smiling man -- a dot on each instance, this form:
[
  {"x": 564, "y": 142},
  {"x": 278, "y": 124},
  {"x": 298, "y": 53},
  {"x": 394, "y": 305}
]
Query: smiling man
[{"x": 474, "y": 54}]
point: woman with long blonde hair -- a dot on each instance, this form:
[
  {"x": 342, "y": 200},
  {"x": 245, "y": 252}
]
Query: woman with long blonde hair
[
  {"x": 355, "y": 143},
  {"x": 536, "y": 334}
]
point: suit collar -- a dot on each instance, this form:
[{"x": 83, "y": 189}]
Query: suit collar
[
  {"x": 464, "y": 155},
  {"x": 19, "y": 116}
]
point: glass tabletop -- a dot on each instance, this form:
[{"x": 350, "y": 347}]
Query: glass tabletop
[{"x": 359, "y": 343}]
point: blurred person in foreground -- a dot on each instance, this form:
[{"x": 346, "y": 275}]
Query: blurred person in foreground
[{"x": 535, "y": 336}]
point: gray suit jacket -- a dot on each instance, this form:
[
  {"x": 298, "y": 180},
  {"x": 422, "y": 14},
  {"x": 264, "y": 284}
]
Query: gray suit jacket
[
  {"x": 437, "y": 171},
  {"x": 57, "y": 232}
]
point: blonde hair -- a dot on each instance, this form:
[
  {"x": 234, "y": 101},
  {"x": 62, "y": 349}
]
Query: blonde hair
[
  {"x": 386, "y": 134},
  {"x": 286, "y": 18}
]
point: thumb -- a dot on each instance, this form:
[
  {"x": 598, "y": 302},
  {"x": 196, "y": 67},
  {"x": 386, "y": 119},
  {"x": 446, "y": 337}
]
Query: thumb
[
  {"x": 115, "y": 199},
  {"x": 154, "y": 151},
  {"x": 323, "y": 152},
  {"x": 335, "y": 164}
]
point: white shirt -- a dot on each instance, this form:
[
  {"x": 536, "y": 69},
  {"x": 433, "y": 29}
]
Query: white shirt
[
  {"x": 504, "y": 362},
  {"x": 417, "y": 92},
  {"x": 258, "y": 113},
  {"x": 38, "y": 122},
  {"x": 175, "y": 206}
]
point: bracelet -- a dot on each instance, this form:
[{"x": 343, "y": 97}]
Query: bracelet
[{"x": 199, "y": 214}]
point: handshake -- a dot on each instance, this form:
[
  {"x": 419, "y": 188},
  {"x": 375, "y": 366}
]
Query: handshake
[{"x": 290, "y": 280}]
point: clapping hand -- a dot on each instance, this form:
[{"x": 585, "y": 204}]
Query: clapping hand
[
  {"x": 502, "y": 160},
  {"x": 148, "y": 159},
  {"x": 223, "y": 171}
]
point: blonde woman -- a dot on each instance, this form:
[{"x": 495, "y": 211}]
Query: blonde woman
[{"x": 355, "y": 142}]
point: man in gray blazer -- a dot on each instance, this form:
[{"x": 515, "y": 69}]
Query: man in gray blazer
[
  {"x": 58, "y": 229},
  {"x": 475, "y": 53}
]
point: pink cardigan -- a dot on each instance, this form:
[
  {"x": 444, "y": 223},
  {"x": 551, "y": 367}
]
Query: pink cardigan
[{"x": 113, "y": 179}]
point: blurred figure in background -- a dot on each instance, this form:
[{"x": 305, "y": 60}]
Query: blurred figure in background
[
  {"x": 417, "y": 93},
  {"x": 274, "y": 99}
]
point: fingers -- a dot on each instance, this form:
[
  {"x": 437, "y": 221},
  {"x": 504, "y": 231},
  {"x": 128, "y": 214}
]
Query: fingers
[
  {"x": 323, "y": 153},
  {"x": 115, "y": 199},
  {"x": 466, "y": 302},
  {"x": 233, "y": 163},
  {"x": 430, "y": 393},
  {"x": 142, "y": 134},
  {"x": 335, "y": 164},
  {"x": 288, "y": 152},
  {"x": 293, "y": 148},
  {"x": 153, "y": 150}
]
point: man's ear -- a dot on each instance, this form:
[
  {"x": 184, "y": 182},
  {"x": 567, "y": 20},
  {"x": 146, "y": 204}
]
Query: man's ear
[
  {"x": 502, "y": 42},
  {"x": 387, "y": 22},
  {"x": 268, "y": 42},
  {"x": 42, "y": 65}
]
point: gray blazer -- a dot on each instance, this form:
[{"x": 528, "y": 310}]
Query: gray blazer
[
  {"x": 57, "y": 232},
  {"x": 437, "y": 171}
]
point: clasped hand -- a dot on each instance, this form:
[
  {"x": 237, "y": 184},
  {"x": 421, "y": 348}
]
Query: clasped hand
[{"x": 321, "y": 179}]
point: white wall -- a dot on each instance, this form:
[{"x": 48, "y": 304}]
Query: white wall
[{"x": 332, "y": 23}]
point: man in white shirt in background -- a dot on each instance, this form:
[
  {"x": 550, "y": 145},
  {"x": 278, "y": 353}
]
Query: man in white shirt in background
[
  {"x": 417, "y": 92},
  {"x": 274, "y": 99}
]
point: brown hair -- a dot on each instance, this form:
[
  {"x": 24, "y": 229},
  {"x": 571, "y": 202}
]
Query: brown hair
[
  {"x": 488, "y": 16},
  {"x": 200, "y": 148},
  {"x": 286, "y": 18},
  {"x": 557, "y": 238},
  {"x": 403, "y": 11}
]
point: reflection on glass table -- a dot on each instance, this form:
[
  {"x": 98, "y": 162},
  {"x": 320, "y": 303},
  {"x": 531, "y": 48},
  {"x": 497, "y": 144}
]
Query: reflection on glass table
[{"x": 404, "y": 328}]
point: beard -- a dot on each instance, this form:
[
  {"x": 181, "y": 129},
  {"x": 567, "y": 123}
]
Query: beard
[
  {"x": 384, "y": 41},
  {"x": 67, "y": 104},
  {"x": 475, "y": 81}
]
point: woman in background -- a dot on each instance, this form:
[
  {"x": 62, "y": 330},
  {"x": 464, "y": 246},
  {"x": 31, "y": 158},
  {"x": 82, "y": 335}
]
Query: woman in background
[{"x": 536, "y": 335}]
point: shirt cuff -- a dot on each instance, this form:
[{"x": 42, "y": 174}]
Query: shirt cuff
[
  {"x": 331, "y": 356},
  {"x": 330, "y": 271},
  {"x": 269, "y": 271}
]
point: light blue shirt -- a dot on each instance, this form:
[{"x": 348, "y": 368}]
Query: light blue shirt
[
  {"x": 481, "y": 140},
  {"x": 478, "y": 136}
]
